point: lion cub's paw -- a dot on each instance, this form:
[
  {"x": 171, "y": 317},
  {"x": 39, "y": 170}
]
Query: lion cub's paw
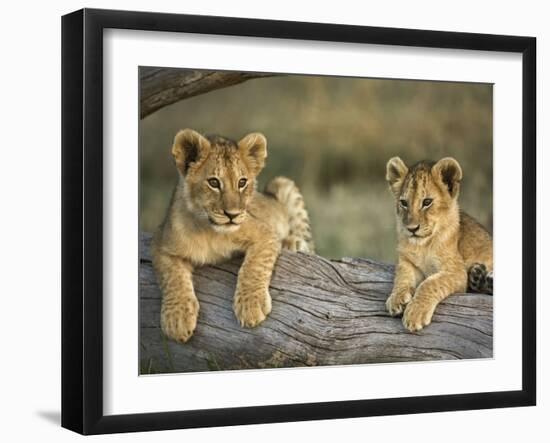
[
  {"x": 178, "y": 319},
  {"x": 480, "y": 279},
  {"x": 397, "y": 302},
  {"x": 417, "y": 315},
  {"x": 252, "y": 309},
  {"x": 476, "y": 277}
]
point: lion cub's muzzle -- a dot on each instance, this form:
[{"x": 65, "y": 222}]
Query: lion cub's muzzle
[
  {"x": 227, "y": 219},
  {"x": 413, "y": 229},
  {"x": 417, "y": 231},
  {"x": 233, "y": 216}
]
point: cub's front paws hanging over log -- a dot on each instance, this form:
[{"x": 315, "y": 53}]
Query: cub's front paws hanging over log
[
  {"x": 178, "y": 318},
  {"x": 252, "y": 309}
]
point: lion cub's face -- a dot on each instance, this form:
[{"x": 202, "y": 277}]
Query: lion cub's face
[
  {"x": 220, "y": 175},
  {"x": 425, "y": 195}
]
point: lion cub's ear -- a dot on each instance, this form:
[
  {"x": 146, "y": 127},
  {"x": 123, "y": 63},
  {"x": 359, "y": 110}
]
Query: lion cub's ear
[
  {"x": 253, "y": 148},
  {"x": 189, "y": 147},
  {"x": 396, "y": 172},
  {"x": 449, "y": 173}
]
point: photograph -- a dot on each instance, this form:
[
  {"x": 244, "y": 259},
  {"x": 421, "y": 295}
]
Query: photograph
[
  {"x": 277, "y": 220},
  {"x": 290, "y": 220}
]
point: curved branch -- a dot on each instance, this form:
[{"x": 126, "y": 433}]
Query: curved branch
[{"x": 160, "y": 87}]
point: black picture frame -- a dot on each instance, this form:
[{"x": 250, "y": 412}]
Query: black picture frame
[{"x": 82, "y": 220}]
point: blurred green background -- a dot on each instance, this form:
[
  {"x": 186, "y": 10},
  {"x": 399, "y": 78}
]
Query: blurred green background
[{"x": 333, "y": 136}]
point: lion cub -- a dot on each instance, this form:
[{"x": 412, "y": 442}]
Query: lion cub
[
  {"x": 215, "y": 212},
  {"x": 441, "y": 249}
]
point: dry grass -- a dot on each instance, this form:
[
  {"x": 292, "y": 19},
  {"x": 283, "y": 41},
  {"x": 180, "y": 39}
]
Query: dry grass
[{"x": 334, "y": 136}]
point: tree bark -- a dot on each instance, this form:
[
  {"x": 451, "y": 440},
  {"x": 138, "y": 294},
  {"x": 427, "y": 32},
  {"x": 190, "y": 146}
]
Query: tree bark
[
  {"x": 161, "y": 87},
  {"x": 325, "y": 312}
]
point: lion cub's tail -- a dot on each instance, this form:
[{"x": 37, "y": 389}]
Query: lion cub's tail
[{"x": 299, "y": 235}]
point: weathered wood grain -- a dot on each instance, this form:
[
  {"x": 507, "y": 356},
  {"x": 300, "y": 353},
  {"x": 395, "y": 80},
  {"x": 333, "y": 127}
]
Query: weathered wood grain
[
  {"x": 324, "y": 313},
  {"x": 161, "y": 87}
]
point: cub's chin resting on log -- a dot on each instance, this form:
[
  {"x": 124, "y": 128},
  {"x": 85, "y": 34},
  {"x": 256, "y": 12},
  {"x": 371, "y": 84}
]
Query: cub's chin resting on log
[
  {"x": 441, "y": 250},
  {"x": 216, "y": 212}
]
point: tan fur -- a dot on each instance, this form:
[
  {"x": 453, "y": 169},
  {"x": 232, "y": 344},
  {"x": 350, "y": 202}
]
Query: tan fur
[
  {"x": 213, "y": 216},
  {"x": 299, "y": 236},
  {"x": 433, "y": 261}
]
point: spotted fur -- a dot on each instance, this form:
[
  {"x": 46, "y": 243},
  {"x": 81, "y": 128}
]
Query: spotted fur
[
  {"x": 215, "y": 213},
  {"x": 441, "y": 250}
]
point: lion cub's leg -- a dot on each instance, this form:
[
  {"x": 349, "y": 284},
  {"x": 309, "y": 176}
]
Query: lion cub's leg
[
  {"x": 406, "y": 279},
  {"x": 429, "y": 293},
  {"x": 252, "y": 302},
  {"x": 180, "y": 307}
]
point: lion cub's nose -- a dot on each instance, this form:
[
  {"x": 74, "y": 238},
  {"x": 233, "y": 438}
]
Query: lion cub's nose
[
  {"x": 413, "y": 229},
  {"x": 232, "y": 214}
]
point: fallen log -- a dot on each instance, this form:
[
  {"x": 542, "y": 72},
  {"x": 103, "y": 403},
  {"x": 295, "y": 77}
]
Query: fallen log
[
  {"x": 161, "y": 87},
  {"x": 325, "y": 312}
]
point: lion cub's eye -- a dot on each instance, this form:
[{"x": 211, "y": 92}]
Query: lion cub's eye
[
  {"x": 214, "y": 183},
  {"x": 427, "y": 202},
  {"x": 242, "y": 182},
  {"x": 403, "y": 203}
]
